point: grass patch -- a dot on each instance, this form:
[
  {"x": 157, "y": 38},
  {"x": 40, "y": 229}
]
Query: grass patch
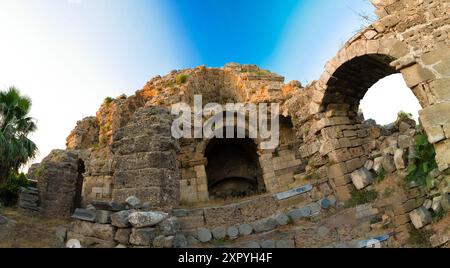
[
  {"x": 387, "y": 193},
  {"x": 438, "y": 215},
  {"x": 380, "y": 176},
  {"x": 361, "y": 197},
  {"x": 420, "y": 238},
  {"x": 181, "y": 79}
]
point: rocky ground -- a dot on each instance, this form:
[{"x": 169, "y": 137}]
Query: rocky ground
[{"x": 24, "y": 229}]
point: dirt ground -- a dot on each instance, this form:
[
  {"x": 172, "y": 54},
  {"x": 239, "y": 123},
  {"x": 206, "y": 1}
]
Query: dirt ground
[{"x": 28, "y": 230}]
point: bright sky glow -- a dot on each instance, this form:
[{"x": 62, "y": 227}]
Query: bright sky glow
[{"x": 68, "y": 55}]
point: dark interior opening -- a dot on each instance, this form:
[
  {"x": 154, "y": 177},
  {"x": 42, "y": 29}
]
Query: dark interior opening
[
  {"x": 77, "y": 202},
  {"x": 233, "y": 168}
]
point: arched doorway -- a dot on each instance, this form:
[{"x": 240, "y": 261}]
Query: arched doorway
[
  {"x": 395, "y": 87},
  {"x": 233, "y": 168},
  {"x": 78, "y": 197},
  {"x": 347, "y": 142}
]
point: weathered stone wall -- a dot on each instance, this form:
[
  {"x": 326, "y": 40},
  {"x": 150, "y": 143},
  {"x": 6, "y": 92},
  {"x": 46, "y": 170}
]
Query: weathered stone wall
[
  {"x": 85, "y": 135},
  {"x": 57, "y": 177},
  {"x": 145, "y": 159}
]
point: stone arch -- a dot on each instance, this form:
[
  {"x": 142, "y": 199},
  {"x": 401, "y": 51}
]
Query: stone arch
[
  {"x": 233, "y": 168},
  {"x": 347, "y": 77}
]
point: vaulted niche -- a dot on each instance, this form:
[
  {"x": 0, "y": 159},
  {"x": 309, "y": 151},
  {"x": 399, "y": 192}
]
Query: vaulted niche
[{"x": 233, "y": 168}]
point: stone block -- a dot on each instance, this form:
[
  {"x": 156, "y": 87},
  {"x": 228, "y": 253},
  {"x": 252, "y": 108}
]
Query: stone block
[
  {"x": 285, "y": 244},
  {"x": 179, "y": 241},
  {"x": 265, "y": 225},
  {"x": 416, "y": 74},
  {"x": 361, "y": 178},
  {"x": 337, "y": 170},
  {"x": 443, "y": 154},
  {"x": 388, "y": 164},
  {"x": 420, "y": 217},
  {"x": 120, "y": 219},
  {"x": 439, "y": 88},
  {"x": 84, "y": 215},
  {"x": 103, "y": 216},
  {"x": 268, "y": 244},
  {"x": 293, "y": 192},
  {"x": 219, "y": 233},
  {"x": 204, "y": 235},
  {"x": 378, "y": 164},
  {"x": 282, "y": 219},
  {"x": 445, "y": 202},
  {"x": 146, "y": 219},
  {"x": 108, "y": 205},
  {"x": 342, "y": 180},
  {"x": 123, "y": 236},
  {"x": 245, "y": 229},
  {"x": 133, "y": 202},
  {"x": 405, "y": 141},
  {"x": 399, "y": 159},
  {"x": 142, "y": 236},
  {"x": 232, "y": 232},
  {"x": 169, "y": 226},
  {"x": 369, "y": 164},
  {"x": 354, "y": 164}
]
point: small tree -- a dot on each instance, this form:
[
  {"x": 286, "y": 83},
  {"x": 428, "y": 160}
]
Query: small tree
[{"x": 15, "y": 126}]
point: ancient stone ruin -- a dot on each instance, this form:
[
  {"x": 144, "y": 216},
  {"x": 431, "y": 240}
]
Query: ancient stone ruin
[{"x": 128, "y": 183}]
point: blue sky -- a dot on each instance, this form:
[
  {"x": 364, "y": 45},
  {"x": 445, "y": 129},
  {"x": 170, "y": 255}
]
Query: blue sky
[{"x": 68, "y": 55}]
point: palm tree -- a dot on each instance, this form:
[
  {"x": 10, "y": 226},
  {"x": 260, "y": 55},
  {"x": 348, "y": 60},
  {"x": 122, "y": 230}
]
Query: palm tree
[{"x": 15, "y": 125}]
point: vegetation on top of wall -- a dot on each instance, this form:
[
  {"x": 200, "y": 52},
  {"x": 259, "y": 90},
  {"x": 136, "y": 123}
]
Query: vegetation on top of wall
[
  {"x": 360, "y": 197},
  {"x": 423, "y": 162},
  {"x": 181, "y": 79},
  {"x": 262, "y": 72},
  {"x": 107, "y": 100},
  {"x": 402, "y": 115},
  {"x": 9, "y": 191}
]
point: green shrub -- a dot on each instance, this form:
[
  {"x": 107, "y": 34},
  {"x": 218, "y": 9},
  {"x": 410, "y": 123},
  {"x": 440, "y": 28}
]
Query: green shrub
[
  {"x": 438, "y": 215},
  {"x": 420, "y": 237},
  {"x": 402, "y": 115},
  {"x": 361, "y": 197},
  {"x": 107, "y": 100},
  {"x": 182, "y": 78},
  {"x": 9, "y": 191},
  {"x": 424, "y": 162},
  {"x": 380, "y": 176}
]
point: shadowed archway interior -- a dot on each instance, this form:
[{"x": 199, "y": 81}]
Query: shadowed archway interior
[{"x": 233, "y": 168}]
